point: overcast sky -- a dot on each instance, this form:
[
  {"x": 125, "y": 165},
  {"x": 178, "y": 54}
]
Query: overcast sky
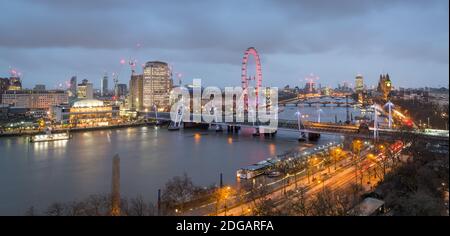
[{"x": 48, "y": 41}]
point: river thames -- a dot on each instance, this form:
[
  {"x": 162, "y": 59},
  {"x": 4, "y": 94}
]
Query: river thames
[{"x": 38, "y": 174}]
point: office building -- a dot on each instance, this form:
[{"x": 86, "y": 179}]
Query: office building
[
  {"x": 73, "y": 87},
  {"x": 135, "y": 97},
  {"x": 310, "y": 87},
  {"x": 121, "y": 90},
  {"x": 157, "y": 83},
  {"x": 4, "y": 84},
  {"x": 39, "y": 87},
  {"x": 60, "y": 113},
  {"x": 34, "y": 99},
  {"x": 359, "y": 83},
  {"x": 15, "y": 84},
  {"x": 104, "y": 86},
  {"x": 85, "y": 90}
]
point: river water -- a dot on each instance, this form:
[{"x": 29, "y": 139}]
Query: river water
[{"x": 38, "y": 174}]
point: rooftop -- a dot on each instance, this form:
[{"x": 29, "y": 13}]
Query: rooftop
[
  {"x": 155, "y": 63},
  {"x": 367, "y": 207},
  {"x": 88, "y": 103},
  {"x": 29, "y": 91}
]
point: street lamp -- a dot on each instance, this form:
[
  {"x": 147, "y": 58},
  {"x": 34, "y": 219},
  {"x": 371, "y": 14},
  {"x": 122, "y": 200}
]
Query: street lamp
[
  {"x": 323, "y": 184},
  {"x": 224, "y": 194}
]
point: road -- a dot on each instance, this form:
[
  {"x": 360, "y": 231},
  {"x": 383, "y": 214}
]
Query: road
[
  {"x": 349, "y": 171},
  {"x": 340, "y": 178}
]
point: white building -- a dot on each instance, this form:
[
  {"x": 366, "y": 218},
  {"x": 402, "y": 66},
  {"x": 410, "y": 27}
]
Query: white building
[{"x": 85, "y": 90}]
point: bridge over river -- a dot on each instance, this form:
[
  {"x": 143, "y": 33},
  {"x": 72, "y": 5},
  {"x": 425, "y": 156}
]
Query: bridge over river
[{"x": 308, "y": 128}]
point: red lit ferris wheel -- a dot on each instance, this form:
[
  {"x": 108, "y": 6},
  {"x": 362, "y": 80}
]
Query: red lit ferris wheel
[{"x": 247, "y": 79}]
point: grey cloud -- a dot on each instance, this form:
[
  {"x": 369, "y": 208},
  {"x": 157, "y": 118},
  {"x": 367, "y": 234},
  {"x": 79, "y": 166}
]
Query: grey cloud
[
  {"x": 176, "y": 24},
  {"x": 204, "y": 31}
]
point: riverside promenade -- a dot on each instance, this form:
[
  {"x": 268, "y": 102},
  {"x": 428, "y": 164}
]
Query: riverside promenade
[{"x": 27, "y": 132}]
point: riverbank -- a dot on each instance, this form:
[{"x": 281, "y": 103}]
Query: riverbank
[{"x": 75, "y": 129}]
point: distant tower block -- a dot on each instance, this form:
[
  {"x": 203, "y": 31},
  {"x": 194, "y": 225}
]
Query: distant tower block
[
  {"x": 115, "y": 191},
  {"x": 359, "y": 83}
]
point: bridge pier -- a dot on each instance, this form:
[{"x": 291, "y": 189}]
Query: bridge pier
[
  {"x": 308, "y": 136},
  {"x": 233, "y": 128},
  {"x": 193, "y": 125},
  {"x": 173, "y": 126},
  {"x": 273, "y": 134},
  {"x": 302, "y": 137},
  {"x": 269, "y": 134},
  {"x": 313, "y": 136},
  {"x": 256, "y": 132}
]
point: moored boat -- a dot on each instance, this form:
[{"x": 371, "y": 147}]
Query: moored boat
[{"x": 49, "y": 136}]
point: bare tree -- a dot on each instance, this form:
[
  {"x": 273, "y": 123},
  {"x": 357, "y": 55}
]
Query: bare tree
[
  {"x": 138, "y": 207},
  {"x": 30, "y": 212},
  {"x": 56, "y": 209},
  {"x": 300, "y": 205},
  {"x": 77, "y": 208},
  {"x": 97, "y": 205},
  {"x": 284, "y": 168},
  {"x": 323, "y": 203},
  {"x": 177, "y": 192},
  {"x": 265, "y": 207}
]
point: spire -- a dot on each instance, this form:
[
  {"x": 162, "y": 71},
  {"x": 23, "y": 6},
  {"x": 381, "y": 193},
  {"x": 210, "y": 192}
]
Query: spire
[{"x": 115, "y": 190}]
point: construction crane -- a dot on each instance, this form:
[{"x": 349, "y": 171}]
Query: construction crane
[
  {"x": 178, "y": 75},
  {"x": 132, "y": 64}
]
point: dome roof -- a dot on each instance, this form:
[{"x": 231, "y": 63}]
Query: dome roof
[{"x": 88, "y": 103}]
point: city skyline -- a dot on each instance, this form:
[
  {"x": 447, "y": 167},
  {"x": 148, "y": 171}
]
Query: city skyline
[
  {"x": 335, "y": 41},
  {"x": 224, "y": 108}
]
